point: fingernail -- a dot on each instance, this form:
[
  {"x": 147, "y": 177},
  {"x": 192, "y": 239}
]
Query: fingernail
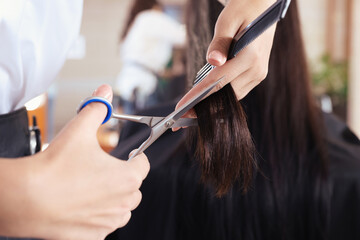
[
  {"x": 175, "y": 129},
  {"x": 132, "y": 153},
  {"x": 191, "y": 114},
  {"x": 217, "y": 56},
  {"x": 103, "y": 91}
]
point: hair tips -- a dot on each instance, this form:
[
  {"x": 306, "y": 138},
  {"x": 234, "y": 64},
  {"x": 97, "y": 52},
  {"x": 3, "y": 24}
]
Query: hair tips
[{"x": 224, "y": 145}]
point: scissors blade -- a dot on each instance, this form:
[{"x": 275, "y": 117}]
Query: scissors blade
[
  {"x": 185, "y": 122},
  {"x": 171, "y": 119},
  {"x": 192, "y": 102},
  {"x": 148, "y": 120},
  {"x": 152, "y": 120}
]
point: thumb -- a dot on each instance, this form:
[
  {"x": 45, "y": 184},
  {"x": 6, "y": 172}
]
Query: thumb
[
  {"x": 93, "y": 114},
  {"x": 218, "y": 49},
  {"x": 226, "y": 28},
  {"x": 85, "y": 125}
]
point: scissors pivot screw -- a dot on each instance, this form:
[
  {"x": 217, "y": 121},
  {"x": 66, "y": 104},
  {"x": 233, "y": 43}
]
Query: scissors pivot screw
[{"x": 168, "y": 124}]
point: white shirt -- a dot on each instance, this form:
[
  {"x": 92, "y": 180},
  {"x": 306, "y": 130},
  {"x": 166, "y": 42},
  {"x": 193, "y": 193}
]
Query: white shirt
[
  {"x": 149, "y": 43},
  {"x": 35, "y": 36}
]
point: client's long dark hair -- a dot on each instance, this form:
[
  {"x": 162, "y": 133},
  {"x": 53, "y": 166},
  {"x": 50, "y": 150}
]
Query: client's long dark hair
[
  {"x": 224, "y": 145},
  {"x": 291, "y": 194}
]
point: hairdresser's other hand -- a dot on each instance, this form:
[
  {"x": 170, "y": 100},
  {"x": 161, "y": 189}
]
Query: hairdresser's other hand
[
  {"x": 250, "y": 66},
  {"x": 76, "y": 190}
]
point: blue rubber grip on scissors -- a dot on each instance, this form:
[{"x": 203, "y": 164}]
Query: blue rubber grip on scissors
[{"x": 100, "y": 100}]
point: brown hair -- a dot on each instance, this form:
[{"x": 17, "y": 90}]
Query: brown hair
[
  {"x": 224, "y": 146},
  {"x": 284, "y": 122}
]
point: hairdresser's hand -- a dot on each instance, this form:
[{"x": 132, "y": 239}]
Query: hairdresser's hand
[
  {"x": 250, "y": 66},
  {"x": 75, "y": 189}
]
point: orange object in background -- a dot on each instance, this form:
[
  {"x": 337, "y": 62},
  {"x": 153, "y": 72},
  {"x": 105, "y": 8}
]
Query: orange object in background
[
  {"x": 107, "y": 137},
  {"x": 38, "y": 107}
]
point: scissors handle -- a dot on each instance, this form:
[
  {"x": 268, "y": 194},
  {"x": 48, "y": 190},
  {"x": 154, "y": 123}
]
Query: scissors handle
[
  {"x": 148, "y": 120},
  {"x": 106, "y": 102}
]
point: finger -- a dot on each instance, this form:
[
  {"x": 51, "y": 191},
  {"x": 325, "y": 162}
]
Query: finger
[
  {"x": 242, "y": 82},
  {"x": 231, "y": 69},
  {"x": 132, "y": 153},
  {"x": 233, "y": 19},
  {"x": 241, "y": 93},
  {"x": 125, "y": 219},
  {"x": 93, "y": 114},
  {"x": 189, "y": 114},
  {"x": 140, "y": 164},
  {"x": 136, "y": 199},
  {"x": 227, "y": 25}
]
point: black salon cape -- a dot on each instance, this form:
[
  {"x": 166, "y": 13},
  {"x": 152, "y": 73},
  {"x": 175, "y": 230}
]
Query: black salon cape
[{"x": 173, "y": 185}]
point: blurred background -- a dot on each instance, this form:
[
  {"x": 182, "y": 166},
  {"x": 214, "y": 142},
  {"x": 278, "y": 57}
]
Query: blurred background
[{"x": 331, "y": 30}]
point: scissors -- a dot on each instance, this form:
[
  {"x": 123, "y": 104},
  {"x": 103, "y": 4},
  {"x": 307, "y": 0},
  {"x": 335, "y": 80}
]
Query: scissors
[{"x": 158, "y": 125}]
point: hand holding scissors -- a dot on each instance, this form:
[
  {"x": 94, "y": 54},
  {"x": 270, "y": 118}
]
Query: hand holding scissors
[{"x": 158, "y": 125}]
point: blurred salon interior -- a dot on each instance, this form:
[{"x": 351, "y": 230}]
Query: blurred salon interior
[{"x": 330, "y": 29}]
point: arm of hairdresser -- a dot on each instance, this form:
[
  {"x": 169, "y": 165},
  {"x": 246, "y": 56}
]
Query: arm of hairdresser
[
  {"x": 250, "y": 66},
  {"x": 72, "y": 190}
]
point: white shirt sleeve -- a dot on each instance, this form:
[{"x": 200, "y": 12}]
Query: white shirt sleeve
[{"x": 35, "y": 36}]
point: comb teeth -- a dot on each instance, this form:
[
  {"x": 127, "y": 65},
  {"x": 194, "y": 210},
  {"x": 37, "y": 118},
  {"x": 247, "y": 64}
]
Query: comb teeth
[{"x": 203, "y": 72}]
